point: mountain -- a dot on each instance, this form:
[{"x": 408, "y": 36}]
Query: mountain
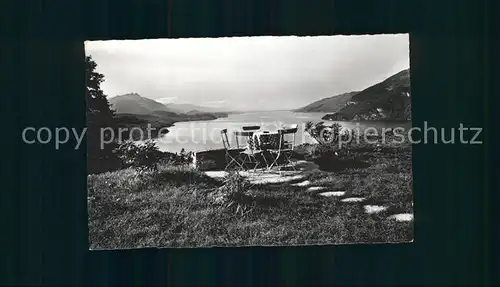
[
  {"x": 135, "y": 104},
  {"x": 330, "y": 104},
  {"x": 387, "y": 100},
  {"x": 188, "y": 108},
  {"x": 132, "y": 110}
]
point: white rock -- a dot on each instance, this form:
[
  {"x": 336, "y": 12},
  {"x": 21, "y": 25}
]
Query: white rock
[
  {"x": 371, "y": 209},
  {"x": 216, "y": 174},
  {"x": 353, "y": 199},
  {"x": 402, "y": 217},
  {"x": 275, "y": 179},
  {"x": 300, "y": 162},
  {"x": 304, "y": 183},
  {"x": 332, "y": 193}
]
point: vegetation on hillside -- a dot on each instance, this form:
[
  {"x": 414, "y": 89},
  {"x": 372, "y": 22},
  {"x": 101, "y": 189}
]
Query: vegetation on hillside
[
  {"x": 181, "y": 207},
  {"x": 178, "y": 206},
  {"x": 109, "y": 154},
  {"x": 141, "y": 107},
  {"x": 387, "y": 100},
  {"x": 141, "y": 197},
  {"x": 328, "y": 105},
  {"x": 99, "y": 116}
]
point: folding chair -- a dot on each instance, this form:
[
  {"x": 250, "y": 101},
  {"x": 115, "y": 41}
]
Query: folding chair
[
  {"x": 285, "y": 148},
  {"x": 251, "y": 153},
  {"x": 230, "y": 159},
  {"x": 250, "y": 138}
]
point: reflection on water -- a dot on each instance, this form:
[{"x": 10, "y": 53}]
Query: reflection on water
[{"x": 206, "y": 135}]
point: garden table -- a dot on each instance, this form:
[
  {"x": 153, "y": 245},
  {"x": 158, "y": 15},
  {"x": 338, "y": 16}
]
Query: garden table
[{"x": 267, "y": 141}]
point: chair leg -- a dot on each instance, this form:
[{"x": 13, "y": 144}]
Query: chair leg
[
  {"x": 235, "y": 161},
  {"x": 288, "y": 159},
  {"x": 258, "y": 162},
  {"x": 229, "y": 164},
  {"x": 265, "y": 160},
  {"x": 256, "y": 165},
  {"x": 288, "y": 162},
  {"x": 248, "y": 161},
  {"x": 275, "y": 161}
]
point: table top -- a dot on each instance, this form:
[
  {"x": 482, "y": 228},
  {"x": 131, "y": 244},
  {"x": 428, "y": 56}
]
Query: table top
[{"x": 266, "y": 140}]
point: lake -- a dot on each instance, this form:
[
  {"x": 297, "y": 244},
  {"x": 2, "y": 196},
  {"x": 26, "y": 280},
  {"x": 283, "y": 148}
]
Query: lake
[{"x": 205, "y": 135}]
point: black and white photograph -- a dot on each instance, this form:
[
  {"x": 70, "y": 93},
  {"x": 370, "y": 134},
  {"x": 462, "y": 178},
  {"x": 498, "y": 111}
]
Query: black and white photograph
[{"x": 249, "y": 141}]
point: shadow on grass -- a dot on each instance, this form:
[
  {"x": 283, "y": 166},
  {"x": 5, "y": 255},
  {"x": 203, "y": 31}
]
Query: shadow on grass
[
  {"x": 270, "y": 201},
  {"x": 183, "y": 177},
  {"x": 332, "y": 164}
]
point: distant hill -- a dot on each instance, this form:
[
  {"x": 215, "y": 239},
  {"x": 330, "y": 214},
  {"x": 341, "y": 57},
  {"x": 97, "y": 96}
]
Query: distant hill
[
  {"x": 132, "y": 110},
  {"x": 130, "y": 121},
  {"x": 330, "y": 104},
  {"x": 135, "y": 104},
  {"x": 188, "y": 108},
  {"x": 188, "y": 116},
  {"x": 387, "y": 100}
]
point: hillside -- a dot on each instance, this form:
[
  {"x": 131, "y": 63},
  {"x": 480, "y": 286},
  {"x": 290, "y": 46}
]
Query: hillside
[
  {"x": 157, "y": 121},
  {"x": 387, "y": 100},
  {"x": 130, "y": 121},
  {"x": 330, "y": 104},
  {"x": 192, "y": 109},
  {"x": 188, "y": 117},
  {"x": 132, "y": 110},
  {"x": 135, "y": 104}
]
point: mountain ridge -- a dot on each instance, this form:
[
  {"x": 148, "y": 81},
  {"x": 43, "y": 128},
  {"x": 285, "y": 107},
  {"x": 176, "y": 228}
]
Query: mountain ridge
[
  {"x": 389, "y": 99},
  {"x": 133, "y": 103},
  {"x": 133, "y": 110},
  {"x": 329, "y": 104}
]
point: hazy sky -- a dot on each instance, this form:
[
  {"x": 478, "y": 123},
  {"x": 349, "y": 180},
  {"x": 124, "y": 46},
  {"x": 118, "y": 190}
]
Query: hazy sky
[{"x": 248, "y": 73}]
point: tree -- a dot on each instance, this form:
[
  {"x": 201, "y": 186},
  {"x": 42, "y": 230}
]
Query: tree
[
  {"x": 142, "y": 157},
  {"x": 99, "y": 116},
  {"x": 98, "y": 107}
]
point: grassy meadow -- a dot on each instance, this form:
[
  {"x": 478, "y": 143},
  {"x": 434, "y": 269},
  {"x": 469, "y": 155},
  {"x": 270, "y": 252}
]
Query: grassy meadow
[{"x": 178, "y": 206}]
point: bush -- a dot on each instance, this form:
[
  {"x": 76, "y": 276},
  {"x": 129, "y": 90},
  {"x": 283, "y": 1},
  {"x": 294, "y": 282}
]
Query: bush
[
  {"x": 233, "y": 194},
  {"x": 140, "y": 156},
  {"x": 183, "y": 157},
  {"x": 332, "y": 139}
]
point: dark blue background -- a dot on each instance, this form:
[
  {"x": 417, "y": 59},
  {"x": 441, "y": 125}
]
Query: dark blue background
[{"x": 44, "y": 228}]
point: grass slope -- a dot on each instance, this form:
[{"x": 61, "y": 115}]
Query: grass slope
[{"x": 173, "y": 208}]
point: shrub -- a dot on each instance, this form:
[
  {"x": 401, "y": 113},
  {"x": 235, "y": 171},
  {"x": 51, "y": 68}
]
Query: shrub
[
  {"x": 332, "y": 139},
  {"x": 233, "y": 194},
  {"x": 140, "y": 156},
  {"x": 184, "y": 174},
  {"x": 183, "y": 157}
]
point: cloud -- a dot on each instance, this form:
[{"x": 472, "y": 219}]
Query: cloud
[{"x": 248, "y": 72}]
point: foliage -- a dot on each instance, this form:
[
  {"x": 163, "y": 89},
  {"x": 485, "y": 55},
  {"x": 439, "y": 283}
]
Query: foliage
[
  {"x": 164, "y": 211},
  {"x": 140, "y": 156},
  {"x": 388, "y": 95},
  {"x": 233, "y": 194},
  {"x": 183, "y": 157},
  {"x": 99, "y": 115},
  {"x": 332, "y": 139},
  {"x": 98, "y": 107}
]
